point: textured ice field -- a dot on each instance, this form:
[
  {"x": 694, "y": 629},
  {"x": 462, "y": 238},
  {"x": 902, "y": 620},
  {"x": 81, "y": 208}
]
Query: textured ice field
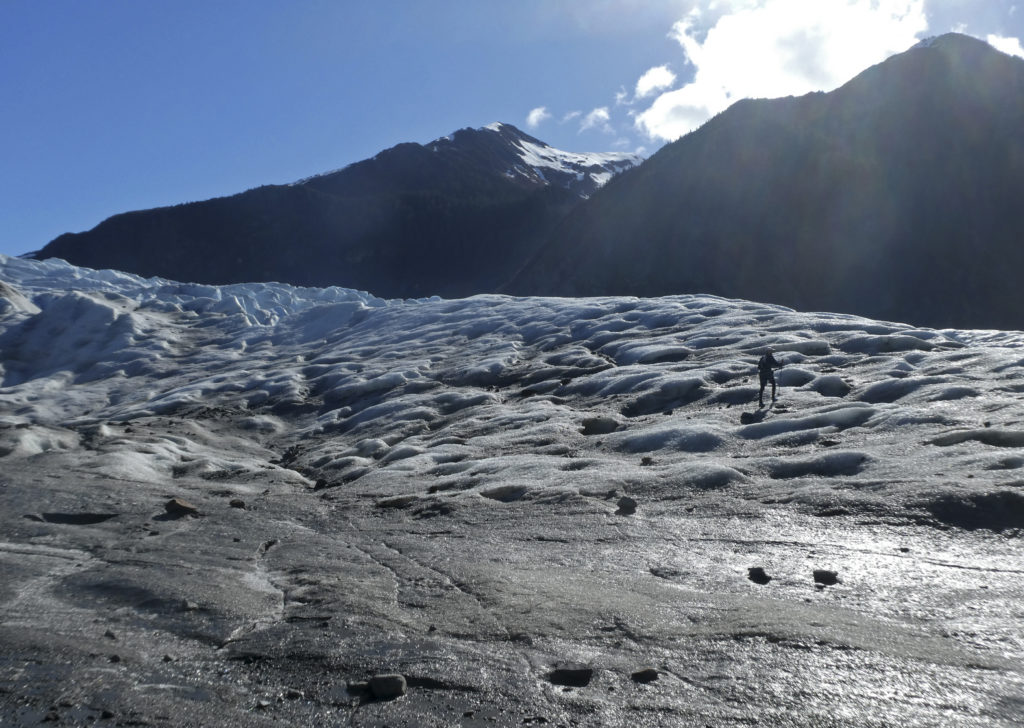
[{"x": 471, "y": 492}]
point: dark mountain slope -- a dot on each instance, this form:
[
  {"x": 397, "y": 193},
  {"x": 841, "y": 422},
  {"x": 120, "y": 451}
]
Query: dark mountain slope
[
  {"x": 449, "y": 218},
  {"x": 897, "y": 196}
]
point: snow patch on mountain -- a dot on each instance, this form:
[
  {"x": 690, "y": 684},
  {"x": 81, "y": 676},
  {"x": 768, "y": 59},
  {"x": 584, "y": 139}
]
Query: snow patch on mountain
[
  {"x": 532, "y": 160},
  {"x": 585, "y": 170}
]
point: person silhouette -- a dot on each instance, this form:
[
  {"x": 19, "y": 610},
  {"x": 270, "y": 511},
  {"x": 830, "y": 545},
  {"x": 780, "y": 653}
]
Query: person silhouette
[{"x": 766, "y": 367}]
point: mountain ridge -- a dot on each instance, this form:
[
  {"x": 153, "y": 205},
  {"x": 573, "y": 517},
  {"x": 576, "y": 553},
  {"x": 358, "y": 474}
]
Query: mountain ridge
[
  {"x": 893, "y": 197},
  {"x": 446, "y": 218}
]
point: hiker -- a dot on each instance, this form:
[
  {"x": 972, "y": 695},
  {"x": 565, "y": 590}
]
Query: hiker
[{"x": 765, "y": 369}]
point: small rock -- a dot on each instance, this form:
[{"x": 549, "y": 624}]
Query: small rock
[
  {"x": 107, "y": 714},
  {"x": 293, "y": 694},
  {"x": 114, "y": 658},
  {"x": 168, "y": 658},
  {"x": 645, "y": 675},
  {"x": 263, "y": 704},
  {"x": 627, "y": 506},
  {"x": 665, "y": 572},
  {"x": 571, "y": 675},
  {"x": 237, "y": 503},
  {"x": 109, "y": 634},
  {"x": 387, "y": 687},
  {"x": 758, "y": 575},
  {"x": 599, "y": 425},
  {"x": 825, "y": 577},
  {"x": 188, "y": 606},
  {"x": 178, "y": 507}
]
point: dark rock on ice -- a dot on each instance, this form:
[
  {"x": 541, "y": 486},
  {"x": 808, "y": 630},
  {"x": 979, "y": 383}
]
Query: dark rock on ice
[
  {"x": 645, "y": 675},
  {"x": 72, "y": 519},
  {"x": 387, "y": 687},
  {"x": 627, "y": 506},
  {"x": 665, "y": 572},
  {"x": 599, "y": 425},
  {"x": 178, "y": 508},
  {"x": 571, "y": 675},
  {"x": 758, "y": 575},
  {"x": 749, "y": 418},
  {"x": 826, "y": 577}
]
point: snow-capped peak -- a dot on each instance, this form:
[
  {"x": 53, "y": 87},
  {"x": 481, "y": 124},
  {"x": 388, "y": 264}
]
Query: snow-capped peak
[{"x": 537, "y": 161}]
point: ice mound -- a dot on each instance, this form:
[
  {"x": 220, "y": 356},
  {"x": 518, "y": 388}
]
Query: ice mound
[{"x": 495, "y": 396}]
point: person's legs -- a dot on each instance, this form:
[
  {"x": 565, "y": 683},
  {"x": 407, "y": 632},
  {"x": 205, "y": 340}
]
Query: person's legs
[
  {"x": 772, "y": 377},
  {"x": 764, "y": 381}
]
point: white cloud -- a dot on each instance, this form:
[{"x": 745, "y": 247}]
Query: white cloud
[
  {"x": 1010, "y": 46},
  {"x": 570, "y": 116},
  {"x": 536, "y": 117},
  {"x": 597, "y": 119},
  {"x": 656, "y": 79},
  {"x": 771, "y": 48}
]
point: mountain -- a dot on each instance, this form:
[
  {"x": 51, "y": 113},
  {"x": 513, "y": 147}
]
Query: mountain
[
  {"x": 897, "y": 196},
  {"x": 238, "y": 505},
  {"x": 450, "y": 218}
]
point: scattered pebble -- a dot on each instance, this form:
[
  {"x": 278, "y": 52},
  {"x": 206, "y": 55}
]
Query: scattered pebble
[
  {"x": 758, "y": 575},
  {"x": 237, "y": 503},
  {"x": 825, "y": 577},
  {"x": 645, "y": 675},
  {"x": 627, "y": 506},
  {"x": 179, "y": 507},
  {"x": 599, "y": 425},
  {"x": 387, "y": 687},
  {"x": 571, "y": 675}
]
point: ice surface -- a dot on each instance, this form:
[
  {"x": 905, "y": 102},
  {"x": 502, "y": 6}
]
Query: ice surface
[{"x": 461, "y": 463}]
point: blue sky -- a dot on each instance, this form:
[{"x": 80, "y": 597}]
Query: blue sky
[{"x": 116, "y": 105}]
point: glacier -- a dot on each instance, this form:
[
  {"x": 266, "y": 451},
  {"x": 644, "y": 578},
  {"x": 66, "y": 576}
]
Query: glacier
[{"x": 536, "y": 510}]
